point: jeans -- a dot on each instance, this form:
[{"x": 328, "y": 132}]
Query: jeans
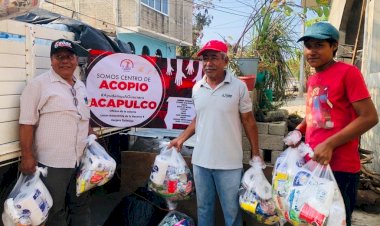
[
  {"x": 225, "y": 184},
  {"x": 67, "y": 209},
  {"x": 348, "y": 185}
]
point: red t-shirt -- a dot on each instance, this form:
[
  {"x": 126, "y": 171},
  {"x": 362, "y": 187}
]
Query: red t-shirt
[{"x": 329, "y": 109}]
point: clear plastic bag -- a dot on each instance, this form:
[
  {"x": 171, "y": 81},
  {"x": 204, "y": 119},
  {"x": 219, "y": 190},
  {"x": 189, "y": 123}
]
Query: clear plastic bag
[
  {"x": 29, "y": 201},
  {"x": 321, "y": 197},
  {"x": 255, "y": 194},
  {"x": 170, "y": 176},
  {"x": 175, "y": 218},
  {"x": 284, "y": 171},
  {"x": 96, "y": 168}
]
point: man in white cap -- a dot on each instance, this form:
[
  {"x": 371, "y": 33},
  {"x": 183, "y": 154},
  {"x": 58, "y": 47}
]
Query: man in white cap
[
  {"x": 222, "y": 105},
  {"x": 54, "y": 125}
]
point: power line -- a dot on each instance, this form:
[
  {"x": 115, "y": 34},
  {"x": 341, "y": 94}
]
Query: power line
[{"x": 220, "y": 10}]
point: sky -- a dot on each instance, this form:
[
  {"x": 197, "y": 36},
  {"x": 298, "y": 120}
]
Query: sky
[{"x": 229, "y": 19}]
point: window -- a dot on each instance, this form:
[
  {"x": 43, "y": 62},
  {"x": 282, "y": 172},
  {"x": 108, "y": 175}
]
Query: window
[
  {"x": 158, "y": 53},
  {"x": 159, "y": 5},
  {"x": 145, "y": 51},
  {"x": 133, "y": 49}
]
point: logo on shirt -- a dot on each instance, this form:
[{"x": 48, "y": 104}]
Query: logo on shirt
[{"x": 226, "y": 95}]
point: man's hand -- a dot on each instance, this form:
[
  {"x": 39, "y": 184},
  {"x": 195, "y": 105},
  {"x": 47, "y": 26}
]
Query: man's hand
[
  {"x": 293, "y": 138},
  {"x": 323, "y": 153},
  {"x": 258, "y": 160},
  {"x": 28, "y": 165},
  {"x": 177, "y": 143}
]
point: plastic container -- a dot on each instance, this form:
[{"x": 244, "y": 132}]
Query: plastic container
[{"x": 249, "y": 80}]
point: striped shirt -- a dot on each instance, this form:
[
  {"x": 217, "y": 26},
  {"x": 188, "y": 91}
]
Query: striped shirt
[{"x": 61, "y": 127}]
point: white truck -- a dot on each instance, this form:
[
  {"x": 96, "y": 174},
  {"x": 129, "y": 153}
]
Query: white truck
[{"x": 24, "y": 54}]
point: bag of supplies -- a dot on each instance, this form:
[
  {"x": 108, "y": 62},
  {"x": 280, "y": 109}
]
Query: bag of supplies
[
  {"x": 96, "y": 167},
  {"x": 175, "y": 218},
  {"x": 29, "y": 201},
  {"x": 315, "y": 196},
  {"x": 170, "y": 176},
  {"x": 255, "y": 194},
  {"x": 287, "y": 165}
]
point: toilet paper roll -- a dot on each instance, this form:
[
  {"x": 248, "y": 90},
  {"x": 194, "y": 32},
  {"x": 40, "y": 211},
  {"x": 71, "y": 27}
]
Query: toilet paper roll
[
  {"x": 34, "y": 202},
  {"x": 159, "y": 170}
]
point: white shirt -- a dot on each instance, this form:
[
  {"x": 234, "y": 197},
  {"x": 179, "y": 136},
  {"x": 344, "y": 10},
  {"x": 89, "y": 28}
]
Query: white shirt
[
  {"x": 218, "y": 127},
  {"x": 61, "y": 127}
]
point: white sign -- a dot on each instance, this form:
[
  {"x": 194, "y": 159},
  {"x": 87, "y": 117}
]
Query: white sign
[
  {"x": 180, "y": 111},
  {"x": 125, "y": 90}
]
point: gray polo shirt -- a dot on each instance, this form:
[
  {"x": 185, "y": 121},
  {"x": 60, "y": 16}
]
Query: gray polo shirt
[{"x": 218, "y": 127}]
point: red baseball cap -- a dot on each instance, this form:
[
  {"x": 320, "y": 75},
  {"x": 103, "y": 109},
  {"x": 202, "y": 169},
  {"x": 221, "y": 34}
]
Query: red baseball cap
[{"x": 215, "y": 45}]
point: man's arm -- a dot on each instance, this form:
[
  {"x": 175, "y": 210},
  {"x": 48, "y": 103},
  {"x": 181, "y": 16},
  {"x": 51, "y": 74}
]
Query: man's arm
[
  {"x": 28, "y": 161},
  {"x": 250, "y": 128},
  {"x": 367, "y": 118},
  {"x": 186, "y": 134}
]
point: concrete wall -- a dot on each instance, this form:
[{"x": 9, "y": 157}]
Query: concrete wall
[
  {"x": 138, "y": 41},
  {"x": 131, "y": 14}
]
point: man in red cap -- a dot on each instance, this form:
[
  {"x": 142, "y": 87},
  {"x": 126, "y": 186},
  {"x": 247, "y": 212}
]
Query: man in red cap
[{"x": 222, "y": 105}]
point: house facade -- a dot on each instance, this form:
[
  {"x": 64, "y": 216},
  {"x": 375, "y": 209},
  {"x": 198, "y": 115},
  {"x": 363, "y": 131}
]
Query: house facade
[{"x": 150, "y": 27}]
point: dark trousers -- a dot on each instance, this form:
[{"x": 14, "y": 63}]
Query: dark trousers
[
  {"x": 68, "y": 209},
  {"x": 348, "y": 184}
]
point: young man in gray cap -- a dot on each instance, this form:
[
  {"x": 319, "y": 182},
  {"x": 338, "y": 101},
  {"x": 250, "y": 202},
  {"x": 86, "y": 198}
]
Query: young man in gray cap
[
  {"x": 338, "y": 110},
  {"x": 54, "y": 125},
  {"x": 222, "y": 105}
]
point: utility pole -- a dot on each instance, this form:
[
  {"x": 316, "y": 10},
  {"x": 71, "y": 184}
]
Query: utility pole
[{"x": 302, "y": 60}]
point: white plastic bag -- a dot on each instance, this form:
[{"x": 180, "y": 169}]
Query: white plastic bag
[
  {"x": 29, "y": 202},
  {"x": 170, "y": 176},
  {"x": 256, "y": 194},
  {"x": 96, "y": 168}
]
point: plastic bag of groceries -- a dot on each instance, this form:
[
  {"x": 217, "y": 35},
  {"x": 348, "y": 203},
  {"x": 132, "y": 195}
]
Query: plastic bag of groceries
[
  {"x": 29, "y": 201},
  {"x": 287, "y": 165},
  {"x": 96, "y": 167},
  {"x": 170, "y": 176},
  {"x": 314, "y": 196},
  {"x": 255, "y": 194},
  {"x": 175, "y": 218},
  {"x": 13, "y": 8}
]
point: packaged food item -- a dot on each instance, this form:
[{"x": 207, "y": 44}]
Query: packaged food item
[
  {"x": 29, "y": 202},
  {"x": 322, "y": 197},
  {"x": 96, "y": 168},
  {"x": 255, "y": 194},
  {"x": 171, "y": 177}
]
